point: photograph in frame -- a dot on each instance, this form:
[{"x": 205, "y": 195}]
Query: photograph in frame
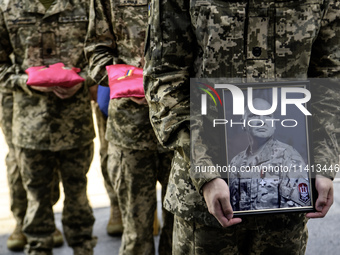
[{"x": 268, "y": 148}]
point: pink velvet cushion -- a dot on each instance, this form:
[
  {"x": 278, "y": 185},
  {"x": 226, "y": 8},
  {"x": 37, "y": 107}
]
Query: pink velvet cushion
[
  {"x": 125, "y": 81},
  {"x": 53, "y": 75}
]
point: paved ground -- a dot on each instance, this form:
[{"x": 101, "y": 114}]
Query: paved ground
[{"x": 323, "y": 233}]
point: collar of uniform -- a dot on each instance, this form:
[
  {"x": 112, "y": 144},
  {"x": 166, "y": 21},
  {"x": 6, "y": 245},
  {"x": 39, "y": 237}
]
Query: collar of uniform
[
  {"x": 265, "y": 153},
  {"x": 38, "y": 7},
  {"x": 34, "y": 6}
]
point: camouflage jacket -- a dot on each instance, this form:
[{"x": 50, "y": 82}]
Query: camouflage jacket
[
  {"x": 262, "y": 182},
  {"x": 38, "y": 37},
  {"x": 116, "y": 36},
  {"x": 243, "y": 39}
]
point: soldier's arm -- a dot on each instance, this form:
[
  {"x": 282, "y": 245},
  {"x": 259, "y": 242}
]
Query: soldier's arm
[
  {"x": 100, "y": 44},
  {"x": 7, "y": 69},
  {"x": 11, "y": 76},
  {"x": 325, "y": 63},
  {"x": 169, "y": 57},
  {"x": 170, "y": 47}
]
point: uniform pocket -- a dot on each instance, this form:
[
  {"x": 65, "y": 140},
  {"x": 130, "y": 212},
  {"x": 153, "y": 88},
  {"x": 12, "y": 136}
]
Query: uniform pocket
[{"x": 132, "y": 2}]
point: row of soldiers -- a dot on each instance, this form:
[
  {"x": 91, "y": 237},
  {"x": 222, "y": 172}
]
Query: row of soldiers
[{"x": 50, "y": 129}]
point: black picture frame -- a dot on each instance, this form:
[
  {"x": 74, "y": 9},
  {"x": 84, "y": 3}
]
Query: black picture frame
[{"x": 290, "y": 186}]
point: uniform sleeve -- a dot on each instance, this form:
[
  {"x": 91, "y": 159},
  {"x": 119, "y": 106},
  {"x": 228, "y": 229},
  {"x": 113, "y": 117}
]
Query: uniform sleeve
[
  {"x": 325, "y": 63},
  {"x": 100, "y": 46},
  {"x": 10, "y": 78},
  {"x": 169, "y": 57}
]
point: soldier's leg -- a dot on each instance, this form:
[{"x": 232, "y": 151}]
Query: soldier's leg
[
  {"x": 36, "y": 169},
  {"x": 192, "y": 238},
  {"x": 17, "y": 192},
  {"x": 279, "y": 234},
  {"x": 115, "y": 225},
  {"x": 77, "y": 215},
  {"x": 259, "y": 235},
  {"x": 132, "y": 173},
  {"x": 163, "y": 172},
  {"x": 18, "y": 196}
]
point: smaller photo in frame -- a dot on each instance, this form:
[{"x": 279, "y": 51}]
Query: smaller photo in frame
[{"x": 268, "y": 147}]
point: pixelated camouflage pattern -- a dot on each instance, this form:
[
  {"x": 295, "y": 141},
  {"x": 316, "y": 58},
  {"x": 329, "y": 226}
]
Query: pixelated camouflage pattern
[
  {"x": 39, "y": 37},
  {"x": 134, "y": 174},
  {"x": 103, "y": 143},
  {"x": 200, "y": 38},
  {"x": 116, "y": 36},
  {"x": 17, "y": 192},
  {"x": 271, "y": 189},
  {"x": 18, "y": 200},
  {"x": 77, "y": 216},
  {"x": 288, "y": 235}
]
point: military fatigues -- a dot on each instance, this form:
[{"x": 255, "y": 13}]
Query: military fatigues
[
  {"x": 245, "y": 39},
  {"x": 101, "y": 125},
  {"x": 18, "y": 199},
  {"x": 266, "y": 187},
  {"x": 136, "y": 161},
  {"x": 17, "y": 192},
  {"x": 49, "y": 133}
]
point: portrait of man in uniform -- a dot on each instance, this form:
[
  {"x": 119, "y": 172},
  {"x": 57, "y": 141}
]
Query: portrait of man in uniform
[{"x": 266, "y": 174}]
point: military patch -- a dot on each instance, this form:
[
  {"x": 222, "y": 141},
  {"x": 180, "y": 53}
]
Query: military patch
[
  {"x": 22, "y": 21},
  {"x": 304, "y": 194},
  {"x": 68, "y": 19}
]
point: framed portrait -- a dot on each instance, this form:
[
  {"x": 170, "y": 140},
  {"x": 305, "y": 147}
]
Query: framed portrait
[{"x": 268, "y": 147}]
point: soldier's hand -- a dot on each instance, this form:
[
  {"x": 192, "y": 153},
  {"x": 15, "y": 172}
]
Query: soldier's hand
[
  {"x": 139, "y": 100},
  {"x": 43, "y": 89},
  {"x": 65, "y": 93},
  {"x": 216, "y": 195},
  {"x": 324, "y": 187}
]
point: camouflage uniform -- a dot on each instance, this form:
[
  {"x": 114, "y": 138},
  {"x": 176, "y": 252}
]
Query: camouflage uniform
[
  {"x": 136, "y": 160},
  {"x": 268, "y": 189},
  {"x": 17, "y": 192},
  {"x": 237, "y": 39},
  {"x": 18, "y": 199},
  {"x": 49, "y": 133},
  {"x": 101, "y": 125}
]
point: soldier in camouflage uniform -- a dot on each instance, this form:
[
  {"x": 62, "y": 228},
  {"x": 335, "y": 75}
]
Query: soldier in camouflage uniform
[
  {"x": 17, "y": 192},
  {"x": 136, "y": 160},
  {"x": 238, "y": 39},
  {"x": 52, "y": 126},
  {"x": 263, "y": 187},
  {"x": 18, "y": 199}
]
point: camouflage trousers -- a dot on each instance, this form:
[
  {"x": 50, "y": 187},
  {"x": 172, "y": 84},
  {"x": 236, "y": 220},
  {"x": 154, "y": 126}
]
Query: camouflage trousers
[
  {"x": 17, "y": 191},
  {"x": 37, "y": 169},
  {"x": 101, "y": 125},
  {"x": 256, "y": 235},
  {"x": 134, "y": 174}
]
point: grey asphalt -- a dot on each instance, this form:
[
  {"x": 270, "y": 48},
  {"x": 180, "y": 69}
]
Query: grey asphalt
[{"x": 323, "y": 233}]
